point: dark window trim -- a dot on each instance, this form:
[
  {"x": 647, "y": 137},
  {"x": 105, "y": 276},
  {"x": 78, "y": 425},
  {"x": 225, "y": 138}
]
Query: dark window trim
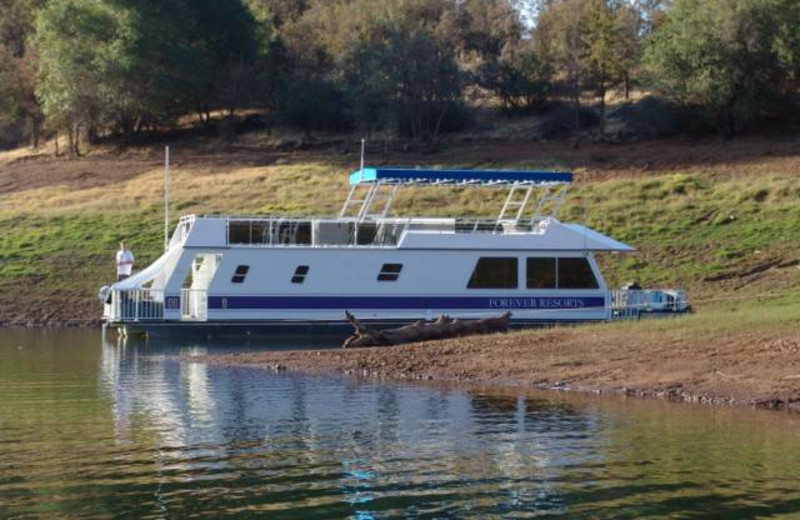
[
  {"x": 390, "y": 272},
  {"x": 240, "y": 273},
  {"x": 300, "y": 274}
]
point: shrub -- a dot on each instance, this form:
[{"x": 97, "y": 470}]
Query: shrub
[
  {"x": 653, "y": 118},
  {"x": 314, "y": 105},
  {"x": 560, "y": 121}
]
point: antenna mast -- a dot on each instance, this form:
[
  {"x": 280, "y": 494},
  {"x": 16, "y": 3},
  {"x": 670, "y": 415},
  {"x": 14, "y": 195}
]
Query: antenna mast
[
  {"x": 363, "y": 144},
  {"x": 166, "y": 198}
]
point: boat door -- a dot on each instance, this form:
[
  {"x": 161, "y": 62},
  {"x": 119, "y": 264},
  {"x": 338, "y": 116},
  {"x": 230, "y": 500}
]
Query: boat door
[{"x": 194, "y": 294}]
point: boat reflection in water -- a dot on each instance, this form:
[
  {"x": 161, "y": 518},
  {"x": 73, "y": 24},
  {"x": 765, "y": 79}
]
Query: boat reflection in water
[
  {"x": 312, "y": 442},
  {"x": 235, "y": 441}
]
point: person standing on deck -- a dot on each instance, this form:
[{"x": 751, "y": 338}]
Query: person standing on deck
[{"x": 125, "y": 261}]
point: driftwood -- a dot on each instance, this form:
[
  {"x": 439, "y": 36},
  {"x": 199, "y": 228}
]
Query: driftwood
[{"x": 444, "y": 327}]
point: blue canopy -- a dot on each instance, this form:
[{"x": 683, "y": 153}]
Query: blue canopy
[{"x": 474, "y": 177}]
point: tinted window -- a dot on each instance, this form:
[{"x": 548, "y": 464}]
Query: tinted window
[
  {"x": 238, "y": 232},
  {"x": 494, "y": 273},
  {"x": 300, "y": 274},
  {"x": 575, "y": 273},
  {"x": 390, "y": 272},
  {"x": 541, "y": 273},
  {"x": 240, "y": 274}
]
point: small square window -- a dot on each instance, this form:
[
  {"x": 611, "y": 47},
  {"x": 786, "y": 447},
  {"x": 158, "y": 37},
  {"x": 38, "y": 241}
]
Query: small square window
[
  {"x": 390, "y": 272},
  {"x": 240, "y": 274},
  {"x": 300, "y": 274}
]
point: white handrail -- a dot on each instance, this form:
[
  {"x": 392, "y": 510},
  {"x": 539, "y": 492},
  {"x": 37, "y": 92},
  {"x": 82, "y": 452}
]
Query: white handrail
[{"x": 136, "y": 305}]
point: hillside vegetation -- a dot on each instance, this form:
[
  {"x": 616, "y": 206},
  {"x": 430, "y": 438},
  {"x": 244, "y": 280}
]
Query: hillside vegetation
[
  {"x": 99, "y": 70},
  {"x": 719, "y": 218}
]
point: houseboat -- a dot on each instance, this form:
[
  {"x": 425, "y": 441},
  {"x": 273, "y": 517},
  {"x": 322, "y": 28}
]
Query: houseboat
[{"x": 264, "y": 274}]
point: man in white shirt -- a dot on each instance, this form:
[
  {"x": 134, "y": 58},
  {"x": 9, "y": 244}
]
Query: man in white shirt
[{"x": 124, "y": 262}]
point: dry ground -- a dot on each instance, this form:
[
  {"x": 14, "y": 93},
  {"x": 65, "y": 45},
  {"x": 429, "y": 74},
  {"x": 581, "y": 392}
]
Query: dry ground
[{"x": 743, "y": 357}]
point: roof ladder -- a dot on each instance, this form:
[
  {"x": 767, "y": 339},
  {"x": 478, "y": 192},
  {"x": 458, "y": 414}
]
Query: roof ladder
[
  {"x": 554, "y": 197},
  {"x": 375, "y": 204},
  {"x": 513, "y": 201}
]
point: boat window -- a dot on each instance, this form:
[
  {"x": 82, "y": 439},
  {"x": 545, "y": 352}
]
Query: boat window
[
  {"x": 575, "y": 273},
  {"x": 494, "y": 273},
  {"x": 541, "y": 273},
  {"x": 239, "y": 232},
  {"x": 259, "y": 233},
  {"x": 240, "y": 274},
  {"x": 390, "y": 272},
  {"x": 300, "y": 274}
]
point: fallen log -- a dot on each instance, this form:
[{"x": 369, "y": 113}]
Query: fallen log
[{"x": 444, "y": 327}]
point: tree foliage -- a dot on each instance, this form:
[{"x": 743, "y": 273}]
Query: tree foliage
[
  {"x": 124, "y": 67},
  {"x": 735, "y": 60},
  {"x": 133, "y": 64}
]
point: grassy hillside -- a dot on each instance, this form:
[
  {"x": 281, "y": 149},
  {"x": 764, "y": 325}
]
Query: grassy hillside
[{"x": 715, "y": 222}]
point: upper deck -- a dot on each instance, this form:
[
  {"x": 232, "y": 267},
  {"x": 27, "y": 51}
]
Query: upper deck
[{"x": 525, "y": 221}]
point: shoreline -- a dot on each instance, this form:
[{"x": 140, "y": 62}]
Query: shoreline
[
  {"x": 740, "y": 368},
  {"x": 35, "y": 323}
]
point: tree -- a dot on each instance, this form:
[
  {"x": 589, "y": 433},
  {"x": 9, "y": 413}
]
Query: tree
[
  {"x": 559, "y": 40},
  {"x": 521, "y": 83},
  {"x": 130, "y": 65},
  {"x": 733, "y": 59},
  {"x": 426, "y": 80},
  {"x": 387, "y": 57},
  {"x": 75, "y": 39},
  {"x": 595, "y": 44},
  {"x": 18, "y": 66}
]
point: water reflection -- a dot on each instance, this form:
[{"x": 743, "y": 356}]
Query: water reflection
[{"x": 143, "y": 430}]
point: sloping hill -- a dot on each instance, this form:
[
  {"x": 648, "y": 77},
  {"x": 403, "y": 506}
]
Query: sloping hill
[{"x": 720, "y": 217}]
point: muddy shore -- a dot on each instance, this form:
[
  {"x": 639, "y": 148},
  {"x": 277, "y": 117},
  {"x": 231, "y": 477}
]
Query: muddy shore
[{"x": 755, "y": 368}]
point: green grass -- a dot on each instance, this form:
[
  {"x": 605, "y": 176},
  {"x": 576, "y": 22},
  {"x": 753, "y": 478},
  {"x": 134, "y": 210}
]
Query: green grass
[{"x": 691, "y": 229}]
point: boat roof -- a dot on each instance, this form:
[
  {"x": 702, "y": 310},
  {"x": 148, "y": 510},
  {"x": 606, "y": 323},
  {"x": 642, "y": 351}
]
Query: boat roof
[{"x": 398, "y": 175}]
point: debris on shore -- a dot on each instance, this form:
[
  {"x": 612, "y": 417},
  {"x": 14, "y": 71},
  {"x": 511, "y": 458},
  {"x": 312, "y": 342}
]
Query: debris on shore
[{"x": 443, "y": 328}]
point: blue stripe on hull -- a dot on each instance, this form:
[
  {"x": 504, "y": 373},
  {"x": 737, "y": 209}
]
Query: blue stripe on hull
[{"x": 404, "y": 302}]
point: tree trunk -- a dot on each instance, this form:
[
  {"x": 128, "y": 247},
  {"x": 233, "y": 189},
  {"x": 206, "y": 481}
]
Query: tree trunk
[
  {"x": 75, "y": 140},
  {"x": 602, "y": 111},
  {"x": 627, "y": 87},
  {"x": 36, "y": 129},
  {"x": 56, "y": 140},
  {"x": 444, "y": 327},
  {"x": 70, "y": 142}
]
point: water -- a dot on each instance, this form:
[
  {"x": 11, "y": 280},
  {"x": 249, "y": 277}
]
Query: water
[{"x": 103, "y": 430}]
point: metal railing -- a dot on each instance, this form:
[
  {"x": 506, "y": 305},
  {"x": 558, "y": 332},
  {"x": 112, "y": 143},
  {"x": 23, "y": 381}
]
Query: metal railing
[
  {"x": 382, "y": 232},
  {"x": 135, "y": 305},
  {"x": 626, "y": 304}
]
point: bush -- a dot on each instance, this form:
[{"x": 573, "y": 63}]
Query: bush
[
  {"x": 455, "y": 118},
  {"x": 13, "y": 135},
  {"x": 314, "y": 105},
  {"x": 652, "y": 118},
  {"x": 560, "y": 121}
]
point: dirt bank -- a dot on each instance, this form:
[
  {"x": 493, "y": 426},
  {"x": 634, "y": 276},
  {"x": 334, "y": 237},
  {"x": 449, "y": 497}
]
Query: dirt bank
[{"x": 759, "y": 367}]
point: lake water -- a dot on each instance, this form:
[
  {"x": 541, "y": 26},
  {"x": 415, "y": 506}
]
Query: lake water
[{"x": 94, "y": 428}]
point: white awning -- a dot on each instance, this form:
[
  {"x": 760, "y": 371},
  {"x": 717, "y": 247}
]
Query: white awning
[{"x": 595, "y": 241}]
